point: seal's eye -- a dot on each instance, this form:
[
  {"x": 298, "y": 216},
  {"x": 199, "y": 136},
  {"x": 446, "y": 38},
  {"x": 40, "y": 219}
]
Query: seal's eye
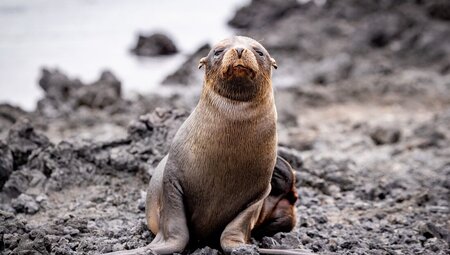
[
  {"x": 217, "y": 52},
  {"x": 259, "y": 53}
]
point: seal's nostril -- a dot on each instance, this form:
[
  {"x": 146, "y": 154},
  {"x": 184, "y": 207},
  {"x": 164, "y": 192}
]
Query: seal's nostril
[{"x": 239, "y": 52}]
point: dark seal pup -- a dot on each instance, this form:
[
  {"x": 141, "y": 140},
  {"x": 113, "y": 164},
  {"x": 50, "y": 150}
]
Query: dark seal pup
[{"x": 222, "y": 179}]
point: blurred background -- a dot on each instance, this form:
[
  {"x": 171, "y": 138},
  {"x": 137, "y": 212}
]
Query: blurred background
[
  {"x": 93, "y": 91},
  {"x": 84, "y": 37}
]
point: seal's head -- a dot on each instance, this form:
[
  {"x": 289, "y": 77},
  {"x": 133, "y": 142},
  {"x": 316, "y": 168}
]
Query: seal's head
[{"x": 238, "y": 68}]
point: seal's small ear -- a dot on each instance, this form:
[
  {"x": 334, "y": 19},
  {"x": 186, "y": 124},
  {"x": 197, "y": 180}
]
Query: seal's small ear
[
  {"x": 202, "y": 62},
  {"x": 274, "y": 63}
]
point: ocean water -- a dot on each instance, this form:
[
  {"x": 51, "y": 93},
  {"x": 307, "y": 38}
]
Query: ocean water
[{"x": 84, "y": 37}]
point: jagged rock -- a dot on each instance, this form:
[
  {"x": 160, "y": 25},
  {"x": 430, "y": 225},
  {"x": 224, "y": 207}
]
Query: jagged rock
[
  {"x": 64, "y": 95},
  {"x": 382, "y": 29},
  {"x": 100, "y": 94},
  {"x": 429, "y": 229},
  {"x": 27, "y": 180},
  {"x": 25, "y": 204},
  {"x": 439, "y": 9},
  {"x": 45, "y": 167},
  {"x": 9, "y": 115},
  {"x": 188, "y": 73},
  {"x": 6, "y": 163},
  {"x": 206, "y": 251},
  {"x": 12, "y": 225},
  {"x": 431, "y": 135},
  {"x": 338, "y": 172},
  {"x": 333, "y": 69},
  {"x": 385, "y": 135},
  {"x": 262, "y": 12},
  {"x": 34, "y": 243},
  {"x": 245, "y": 250},
  {"x": 59, "y": 90},
  {"x": 299, "y": 139},
  {"x": 421, "y": 44},
  {"x": 17, "y": 183},
  {"x": 63, "y": 165},
  {"x": 153, "y": 133},
  {"x": 154, "y": 45},
  {"x": 57, "y": 85},
  {"x": 23, "y": 140}
]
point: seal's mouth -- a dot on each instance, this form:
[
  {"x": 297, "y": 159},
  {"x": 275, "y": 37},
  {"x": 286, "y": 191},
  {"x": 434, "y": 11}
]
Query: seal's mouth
[{"x": 240, "y": 70}]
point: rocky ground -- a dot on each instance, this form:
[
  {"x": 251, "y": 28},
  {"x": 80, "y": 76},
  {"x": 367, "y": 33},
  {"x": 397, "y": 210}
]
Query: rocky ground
[{"x": 363, "y": 95}]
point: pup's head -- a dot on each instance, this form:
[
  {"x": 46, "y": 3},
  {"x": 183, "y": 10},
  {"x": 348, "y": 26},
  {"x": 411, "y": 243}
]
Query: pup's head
[{"x": 238, "y": 68}]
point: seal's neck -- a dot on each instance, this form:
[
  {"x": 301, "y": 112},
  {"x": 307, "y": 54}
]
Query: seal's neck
[
  {"x": 234, "y": 110},
  {"x": 237, "y": 89}
]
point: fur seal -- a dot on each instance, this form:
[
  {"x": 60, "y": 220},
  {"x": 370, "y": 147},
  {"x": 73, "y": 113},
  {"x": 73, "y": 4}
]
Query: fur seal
[{"x": 222, "y": 181}]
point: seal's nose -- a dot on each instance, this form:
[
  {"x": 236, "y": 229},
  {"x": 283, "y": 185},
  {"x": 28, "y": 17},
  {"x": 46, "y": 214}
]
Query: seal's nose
[{"x": 239, "y": 51}]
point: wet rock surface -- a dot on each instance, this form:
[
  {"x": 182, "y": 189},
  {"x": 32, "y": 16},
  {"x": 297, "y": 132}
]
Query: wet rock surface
[{"x": 364, "y": 119}]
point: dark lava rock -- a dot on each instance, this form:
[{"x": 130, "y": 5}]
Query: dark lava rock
[
  {"x": 422, "y": 45},
  {"x": 22, "y": 180},
  {"x": 430, "y": 135},
  {"x": 9, "y": 115},
  {"x": 245, "y": 250},
  {"x": 153, "y": 133},
  {"x": 385, "y": 135},
  {"x": 431, "y": 230},
  {"x": 12, "y": 225},
  {"x": 154, "y": 45},
  {"x": 382, "y": 29},
  {"x": 25, "y": 204},
  {"x": 104, "y": 92},
  {"x": 333, "y": 69},
  {"x": 6, "y": 163},
  {"x": 188, "y": 73},
  {"x": 57, "y": 85},
  {"x": 64, "y": 95},
  {"x": 331, "y": 171},
  {"x": 59, "y": 90},
  {"x": 383, "y": 189},
  {"x": 63, "y": 165},
  {"x": 48, "y": 167},
  {"x": 262, "y": 12},
  {"x": 439, "y": 9},
  {"x": 29, "y": 244},
  {"x": 23, "y": 140},
  {"x": 206, "y": 251}
]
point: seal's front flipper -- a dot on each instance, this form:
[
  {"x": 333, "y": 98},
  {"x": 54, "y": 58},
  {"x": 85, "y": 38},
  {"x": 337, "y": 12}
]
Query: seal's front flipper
[
  {"x": 237, "y": 233},
  {"x": 173, "y": 234},
  {"x": 154, "y": 197}
]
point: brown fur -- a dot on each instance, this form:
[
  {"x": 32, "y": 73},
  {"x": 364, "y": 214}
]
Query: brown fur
[
  {"x": 215, "y": 182},
  {"x": 230, "y": 141}
]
